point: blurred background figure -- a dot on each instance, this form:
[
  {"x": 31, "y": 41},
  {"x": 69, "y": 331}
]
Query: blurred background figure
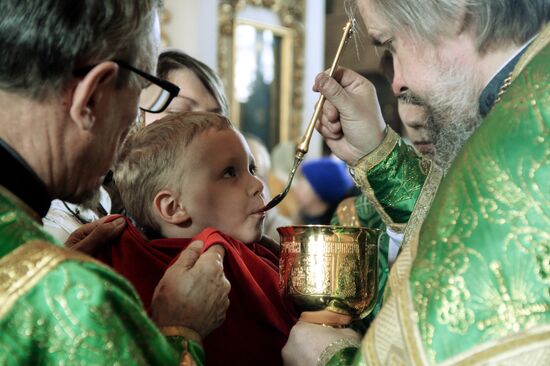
[
  {"x": 282, "y": 160},
  {"x": 322, "y": 184},
  {"x": 274, "y": 218},
  {"x": 200, "y": 87}
]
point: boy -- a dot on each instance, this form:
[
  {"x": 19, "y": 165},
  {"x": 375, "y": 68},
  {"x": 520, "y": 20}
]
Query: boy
[{"x": 191, "y": 176}]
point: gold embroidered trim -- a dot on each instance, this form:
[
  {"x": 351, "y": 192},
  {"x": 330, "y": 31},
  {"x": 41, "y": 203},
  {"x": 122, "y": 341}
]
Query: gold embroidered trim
[
  {"x": 359, "y": 173},
  {"x": 402, "y": 265},
  {"x": 538, "y": 44},
  {"x": 532, "y": 50},
  {"x": 409, "y": 318},
  {"x": 347, "y": 214},
  {"x": 376, "y": 156},
  {"x": 20, "y": 204},
  {"x": 334, "y": 348},
  {"x": 177, "y": 331},
  {"x": 368, "y": 347},
  {"x": 499, "y": 349},
  {"x": 422, "y": 206},
  {"x": 398, "y": 278},
  {"x": 25, "y": 266}
]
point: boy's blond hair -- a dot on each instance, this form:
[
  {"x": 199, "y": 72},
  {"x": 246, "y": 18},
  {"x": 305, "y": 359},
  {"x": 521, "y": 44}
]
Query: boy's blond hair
[{"x": 146, "y": 162}]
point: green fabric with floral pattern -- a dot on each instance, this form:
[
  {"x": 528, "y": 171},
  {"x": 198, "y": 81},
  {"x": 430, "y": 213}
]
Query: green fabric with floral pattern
[
  {"x": 482, "y": 271},
  {"x": 77, "y": 313}
]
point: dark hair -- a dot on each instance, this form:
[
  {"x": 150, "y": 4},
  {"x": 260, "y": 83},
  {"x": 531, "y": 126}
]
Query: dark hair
[
  {"x": 171, "y": 60},
  {"x": 43, "y": 41}
]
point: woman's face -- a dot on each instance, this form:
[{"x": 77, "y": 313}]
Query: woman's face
[{"x": 193, "y": 96}]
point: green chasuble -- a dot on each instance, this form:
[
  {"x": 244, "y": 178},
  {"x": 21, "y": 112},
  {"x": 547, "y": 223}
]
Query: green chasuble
[
  {"x": 60, "y": 307},
  {"x": 472, "y": 286},
  {"x": 386, "y": 203}
]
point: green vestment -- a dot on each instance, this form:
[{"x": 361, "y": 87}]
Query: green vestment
[
  {"x": 60, "y": 307},
  {"x": 472, "y": 286}
]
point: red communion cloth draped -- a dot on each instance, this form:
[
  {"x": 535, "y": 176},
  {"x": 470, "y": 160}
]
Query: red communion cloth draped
[{"x": 257, "y": 323}]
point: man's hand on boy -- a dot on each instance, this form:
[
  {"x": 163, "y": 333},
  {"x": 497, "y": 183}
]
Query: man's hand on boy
[
  {"x": 89, "y": 238},
  {"x": 193, "y": 292}
]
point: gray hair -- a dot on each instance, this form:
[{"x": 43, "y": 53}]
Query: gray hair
[
  {"x": 43, "y": 41},
  {"x": 494, "y": 23}
]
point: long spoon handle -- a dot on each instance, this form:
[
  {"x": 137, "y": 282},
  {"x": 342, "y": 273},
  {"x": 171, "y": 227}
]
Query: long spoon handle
[{"x": 303, "y": 146}]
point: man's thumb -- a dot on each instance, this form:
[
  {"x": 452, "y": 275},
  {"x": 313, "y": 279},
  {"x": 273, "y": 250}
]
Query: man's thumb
[
  {"x": 331, "y": 89},
  {"x": 217, "y": 249},
  {"x": 189, "y": 255}
]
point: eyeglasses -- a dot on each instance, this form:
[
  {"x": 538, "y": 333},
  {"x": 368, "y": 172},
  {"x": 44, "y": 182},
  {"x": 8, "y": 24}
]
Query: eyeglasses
[{"x": 155, "y": 97}]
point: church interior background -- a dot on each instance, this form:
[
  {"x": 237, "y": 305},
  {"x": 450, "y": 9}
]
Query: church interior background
[{"x": 267, "y": 53}]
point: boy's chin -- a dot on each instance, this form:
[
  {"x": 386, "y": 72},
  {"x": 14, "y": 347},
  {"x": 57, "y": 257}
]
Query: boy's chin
[{"x": 251, "y": 238}]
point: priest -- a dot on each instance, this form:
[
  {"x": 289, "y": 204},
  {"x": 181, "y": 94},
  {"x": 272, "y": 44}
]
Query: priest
[{"x": 471, "y": 283}]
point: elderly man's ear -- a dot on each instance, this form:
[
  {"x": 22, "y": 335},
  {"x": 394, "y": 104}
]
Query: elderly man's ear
[
  {"x": 168, "y": 208},
  {"x": 89, "y": 91}
]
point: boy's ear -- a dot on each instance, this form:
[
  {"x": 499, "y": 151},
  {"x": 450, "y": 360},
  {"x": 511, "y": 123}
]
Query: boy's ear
[
  {"x": 167, "y": 206},
  {"x": 87, "y": 94}
]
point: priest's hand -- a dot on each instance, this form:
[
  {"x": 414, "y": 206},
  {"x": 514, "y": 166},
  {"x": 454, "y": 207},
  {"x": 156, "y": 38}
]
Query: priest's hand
[
  {"x": 351, "y": 121},
  {"x": 89, "y": 238},
  {"x": 307, "y": 342},
  {"x": 193, "y": 292}
]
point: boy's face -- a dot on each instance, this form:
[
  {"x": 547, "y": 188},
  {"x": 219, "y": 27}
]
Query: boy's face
[{"x": 220, "y": 188}]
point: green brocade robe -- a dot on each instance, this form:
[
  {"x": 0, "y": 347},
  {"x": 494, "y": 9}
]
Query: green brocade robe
[
  {"x": 60, "y": 307},
  {"x": 472, "y": 286}
]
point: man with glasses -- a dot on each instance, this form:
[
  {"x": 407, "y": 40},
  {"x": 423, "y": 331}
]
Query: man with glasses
[
  {"x": 69, "y": 222},
  {"x": 67, "y": 102}
]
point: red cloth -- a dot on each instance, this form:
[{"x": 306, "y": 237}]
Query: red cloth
[{"x": 257, "y": 322}]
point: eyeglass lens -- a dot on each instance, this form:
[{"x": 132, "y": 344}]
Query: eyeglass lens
[{"x": 154, "y": 98}]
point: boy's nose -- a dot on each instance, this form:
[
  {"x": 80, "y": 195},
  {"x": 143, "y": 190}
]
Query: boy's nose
[{"x": 257, "y": 186}]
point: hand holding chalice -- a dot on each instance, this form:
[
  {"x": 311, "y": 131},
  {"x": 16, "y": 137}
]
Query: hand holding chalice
[{"x": 330, "y": 273}]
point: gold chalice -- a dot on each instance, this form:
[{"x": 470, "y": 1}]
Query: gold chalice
[{"x": 329, "y": 273}]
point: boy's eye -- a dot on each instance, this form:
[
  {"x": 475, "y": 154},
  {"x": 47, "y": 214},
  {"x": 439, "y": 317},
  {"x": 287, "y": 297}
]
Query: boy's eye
[
  {"x": 252, "y": 169},
  {"x": 230, "y": 172}
]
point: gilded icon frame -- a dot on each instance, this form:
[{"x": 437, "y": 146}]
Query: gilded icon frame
[{"x": 291, "y": 30}]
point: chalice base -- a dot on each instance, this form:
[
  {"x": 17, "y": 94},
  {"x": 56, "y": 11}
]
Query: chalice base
[{"x": 326, "y": 317}]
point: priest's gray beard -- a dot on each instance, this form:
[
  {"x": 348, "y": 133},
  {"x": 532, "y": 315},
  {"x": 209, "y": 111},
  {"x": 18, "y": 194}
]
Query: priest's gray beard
[{"x": 454, "y": 107}]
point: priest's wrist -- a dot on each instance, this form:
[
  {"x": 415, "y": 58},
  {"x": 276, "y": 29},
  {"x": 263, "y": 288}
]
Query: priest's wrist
[
  {"x": 360, "y": 154},
  {"x": 178, "y": 331}
]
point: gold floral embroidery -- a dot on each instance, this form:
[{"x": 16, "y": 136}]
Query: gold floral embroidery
[{"x": 24, "y": 267}]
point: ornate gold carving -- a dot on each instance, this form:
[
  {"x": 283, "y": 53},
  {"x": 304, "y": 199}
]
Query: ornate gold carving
[
  {"x": 291, "y": 15},
  {"x": 165, "y": 18},
  {"x": 330, "y": 267}
]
